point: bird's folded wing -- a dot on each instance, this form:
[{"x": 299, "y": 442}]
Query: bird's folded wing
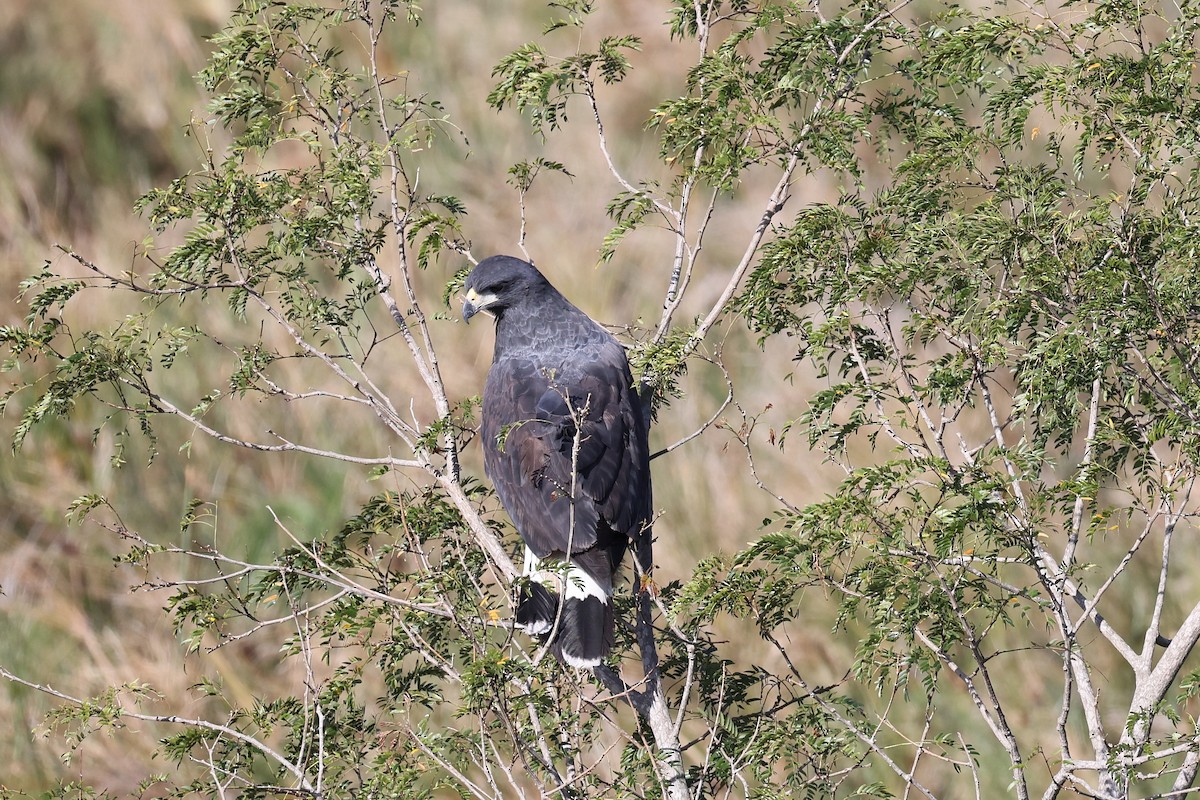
[{"x": 584, "y": 429}]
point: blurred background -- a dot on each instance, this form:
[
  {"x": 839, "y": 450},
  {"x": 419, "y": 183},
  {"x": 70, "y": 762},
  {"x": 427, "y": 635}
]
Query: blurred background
[
  {"x": 95, "y": 100},
  {"x": 96, "y": 97}
]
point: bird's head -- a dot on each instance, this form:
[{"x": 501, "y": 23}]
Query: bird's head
[{"x": 499, "y": 282}]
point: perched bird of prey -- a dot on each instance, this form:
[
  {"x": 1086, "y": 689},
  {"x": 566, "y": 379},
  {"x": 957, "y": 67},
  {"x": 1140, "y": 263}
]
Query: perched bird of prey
[{"x": 564, "y": 442}]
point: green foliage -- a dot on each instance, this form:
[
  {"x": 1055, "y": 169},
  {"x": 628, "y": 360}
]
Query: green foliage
[
  {"x": 659, "y": 366},
  {"x": 523, "y": 174},
  {"x": 628, "y": 210},
  {"x": 998, "y": 303},
  {"x": 298, "y": 244},
  {"x": 540, "y": 84},
  {"x": 992, "y": 280}
]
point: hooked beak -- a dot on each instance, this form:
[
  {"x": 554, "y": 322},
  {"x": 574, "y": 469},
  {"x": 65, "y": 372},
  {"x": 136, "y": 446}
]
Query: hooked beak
[{"x": 473, "y": 303}]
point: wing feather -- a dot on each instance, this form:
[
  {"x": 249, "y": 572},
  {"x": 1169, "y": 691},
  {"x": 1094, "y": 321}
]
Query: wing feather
[{"x": 536, "y": 428}]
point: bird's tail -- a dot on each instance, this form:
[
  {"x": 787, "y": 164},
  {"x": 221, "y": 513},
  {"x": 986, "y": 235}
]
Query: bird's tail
[{"x": 581, "y": 626}]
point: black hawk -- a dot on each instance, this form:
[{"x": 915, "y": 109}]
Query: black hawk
[{"x": 565, "y": 443}]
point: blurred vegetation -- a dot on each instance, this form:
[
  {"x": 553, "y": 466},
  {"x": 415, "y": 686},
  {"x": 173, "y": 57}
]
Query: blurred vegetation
[
  {"x": 95, "y": 111},
  {"x": 970, "y": 341},
  {"x": 92, "y": 95}
]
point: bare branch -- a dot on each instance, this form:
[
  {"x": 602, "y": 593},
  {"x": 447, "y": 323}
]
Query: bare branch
[{"x": 302, "y": 779}]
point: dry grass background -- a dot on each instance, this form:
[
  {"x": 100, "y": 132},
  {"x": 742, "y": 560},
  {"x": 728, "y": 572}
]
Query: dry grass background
[{"x": 93, "y": 98}]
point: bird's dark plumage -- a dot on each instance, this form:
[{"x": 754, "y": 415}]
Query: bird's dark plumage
[{"x": 565, "y": 443}]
